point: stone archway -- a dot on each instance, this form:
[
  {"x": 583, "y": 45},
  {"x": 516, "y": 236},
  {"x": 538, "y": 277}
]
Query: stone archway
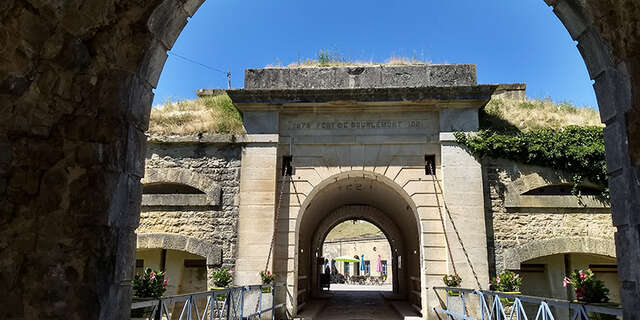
[
  {"x": 358, "y": 194},
  {"x": 373, "y": 216},
  {"x": 186, "y": 177},
  {"x": 513, "y": 257},
  {"x": 77, "y": 89},
  {"x": 206, "y": 249}
]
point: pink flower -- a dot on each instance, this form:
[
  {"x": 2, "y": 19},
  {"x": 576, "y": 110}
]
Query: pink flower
[
  {"x": 582, "y": 275},
  {"x": 498, "y": 279},
  {"x": 152, "y": 275},
  {"x": 166, "y": 281},
  {"x": 516, "y": 276},
  {"x": 565, "y": 281}
]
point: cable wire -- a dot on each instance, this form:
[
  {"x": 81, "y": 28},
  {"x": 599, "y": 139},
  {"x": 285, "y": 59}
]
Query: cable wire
[{"x": 195, "y": 62}]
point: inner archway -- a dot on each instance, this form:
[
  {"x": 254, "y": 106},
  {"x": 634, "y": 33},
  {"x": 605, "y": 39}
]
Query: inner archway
[
  {"x": 373, "y": 216},
  {"x": 359, "y": 195},
  {"x": 359, "y": 255}
]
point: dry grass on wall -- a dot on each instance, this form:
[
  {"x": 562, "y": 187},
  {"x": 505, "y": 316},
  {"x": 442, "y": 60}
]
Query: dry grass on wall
[
  {"x": 216, "y": 114},
  {"x": 211, "y": 114},
  {"x": 328, "y": 58},
  {"x": 535, "y": 113}
]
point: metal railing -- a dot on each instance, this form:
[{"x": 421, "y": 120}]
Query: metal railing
[
  {"x": 237, "y": 303},
  {"x": 489, "y": 305}
]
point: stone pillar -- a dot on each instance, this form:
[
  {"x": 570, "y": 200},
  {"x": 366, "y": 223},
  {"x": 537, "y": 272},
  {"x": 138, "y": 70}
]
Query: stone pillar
[
  {"x": 257, "y": 209},
  {"x": 257, "y": 196},
  {"x": 463, "y": 195}
]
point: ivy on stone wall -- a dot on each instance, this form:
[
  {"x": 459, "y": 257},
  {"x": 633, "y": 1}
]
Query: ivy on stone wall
[{"x": 575, "y": 149}]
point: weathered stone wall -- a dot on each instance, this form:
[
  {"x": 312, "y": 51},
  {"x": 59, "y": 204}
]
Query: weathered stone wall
[
  {"x": 380, "y": 76},
  {"x": 76, "y": 83},
  {"x": 516, "y": 234},
  {"x": 215, "y": 224}
]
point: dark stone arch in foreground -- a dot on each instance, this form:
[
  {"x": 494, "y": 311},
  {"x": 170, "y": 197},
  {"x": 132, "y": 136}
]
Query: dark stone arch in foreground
[{"x": 76, "y": 81}]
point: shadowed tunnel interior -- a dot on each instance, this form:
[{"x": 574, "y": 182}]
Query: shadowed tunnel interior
[{"x": 360, "y": 196}]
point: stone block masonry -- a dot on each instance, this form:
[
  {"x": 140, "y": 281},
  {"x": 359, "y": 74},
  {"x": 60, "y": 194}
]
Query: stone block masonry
[
  {"x": 215, "y": 224},
  {"x": 382, "y": 76},
  {"x": 517, "y": 234},
  {"x": 76, "y": 86}
]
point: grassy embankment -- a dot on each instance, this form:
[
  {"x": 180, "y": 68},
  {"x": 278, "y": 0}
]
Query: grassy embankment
[
  {"x": 218, "y": 115},
  {"x": 348, "y": 229},
  {"x": 213, "y": 114}
]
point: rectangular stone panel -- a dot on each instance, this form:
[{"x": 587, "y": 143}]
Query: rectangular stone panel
[
  {"x": 364, "y": 76},
  {"x": 354, "y": 124}
]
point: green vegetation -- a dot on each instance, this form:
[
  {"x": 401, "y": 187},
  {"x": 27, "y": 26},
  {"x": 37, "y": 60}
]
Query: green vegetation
[
  {"x": 221, "y": 277},
  {"x": 330, "y": 58},
  {"x": 508, "y": 114},
  {"x": 210, "y": 114},
  {"x": 539, "y": 132},
  {"x": 573, "y": 149},
  {"x": 349, "y": 229}
]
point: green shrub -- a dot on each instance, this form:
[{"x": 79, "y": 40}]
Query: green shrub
[
  {"x": 222, "y": 277},
  {"x": 451, "y": 280},
  {"x": 507, "y": 281},
  {"x": 150, "y": 284},
  {"x": 587, "y": 288},
  {"x": 573, "y": 149},
  {"x": 267, "y": 277}
]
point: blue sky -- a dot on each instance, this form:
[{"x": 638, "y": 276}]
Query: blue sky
[{"x": 509, "y": 41}]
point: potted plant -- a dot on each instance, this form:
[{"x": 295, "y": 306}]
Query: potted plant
[
  {"x": 221, "y": 280},
  {"x": 148, "y": 286},
  {"x": 267, "y": 279},
  {"x": 507, "y": 282},
  {"x": 452, "y": 280},
  {"x": 590, "y": 290}
]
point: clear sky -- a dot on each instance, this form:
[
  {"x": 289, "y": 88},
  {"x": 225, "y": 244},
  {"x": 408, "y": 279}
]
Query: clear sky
[{"x": 509, "y": 41}]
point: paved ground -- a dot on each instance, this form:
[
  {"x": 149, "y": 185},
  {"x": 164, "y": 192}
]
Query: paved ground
[
  {"x": 357, "y": 303},
  {"x": 353, "y": 287}
]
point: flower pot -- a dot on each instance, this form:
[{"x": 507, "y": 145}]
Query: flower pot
[
  {"x": 506, "y": 301},
  {"x": 220, "y": 297}
]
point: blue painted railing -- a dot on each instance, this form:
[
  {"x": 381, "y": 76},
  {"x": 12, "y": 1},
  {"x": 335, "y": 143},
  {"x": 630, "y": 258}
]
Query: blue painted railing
[
  {"x": 237, "y": 303},
  {"x": 488, "y": 305}
]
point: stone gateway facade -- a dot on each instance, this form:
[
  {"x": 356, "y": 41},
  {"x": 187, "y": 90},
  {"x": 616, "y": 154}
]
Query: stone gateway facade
[
  {"x": 320, "y": 150},
  {"x": 76, "y": 85}
]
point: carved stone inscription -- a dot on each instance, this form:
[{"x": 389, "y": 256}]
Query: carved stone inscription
[
  {"x": 418, "y": 123},
  {"x": 356, "y": 187},
  {"x": 359, "y": 124}
]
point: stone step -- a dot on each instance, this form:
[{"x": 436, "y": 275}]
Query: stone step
[{"x": 405, "y": 310}]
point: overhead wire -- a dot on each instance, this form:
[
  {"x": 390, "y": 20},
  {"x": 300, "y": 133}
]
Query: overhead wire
[
  {"x": 227, "y": 73},
  {"x": 195, "y": 62}
]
